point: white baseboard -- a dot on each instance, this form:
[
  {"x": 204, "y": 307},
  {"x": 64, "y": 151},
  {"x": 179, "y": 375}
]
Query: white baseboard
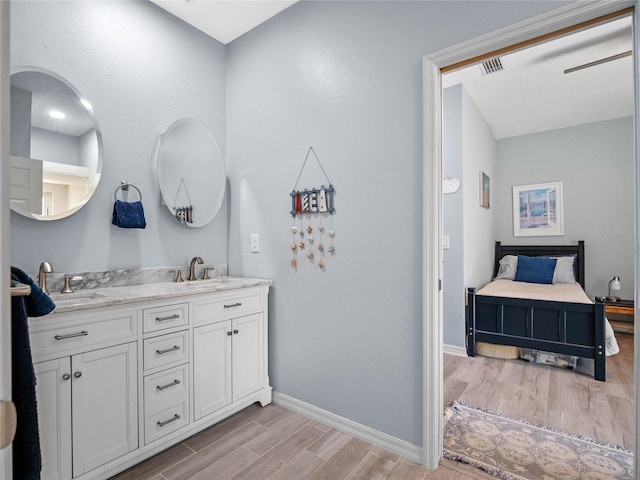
[
  {"x": 375, "y": 437},
  {"x": 455, "y": 350}
]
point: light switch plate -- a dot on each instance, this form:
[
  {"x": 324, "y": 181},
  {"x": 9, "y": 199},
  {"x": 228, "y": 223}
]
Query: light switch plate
[
  {"x": 255, "y": 243},
  {"x": 445, "y": 242}
]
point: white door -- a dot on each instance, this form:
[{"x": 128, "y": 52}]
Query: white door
[
  {"x": 25, "y": 184},
  {"x": 211, "y": 368},
  {"x": 53, "y": 394},
  {"x": 248, "y": 355},
  {"x": 105, "y": 405},
  {"x": 5, "y": 303}
]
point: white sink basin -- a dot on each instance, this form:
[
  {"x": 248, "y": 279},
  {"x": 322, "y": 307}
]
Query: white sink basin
[{"x": 76, "y": 298}]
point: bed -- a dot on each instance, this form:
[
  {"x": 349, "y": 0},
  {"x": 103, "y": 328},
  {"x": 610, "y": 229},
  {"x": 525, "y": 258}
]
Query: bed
[{"x": 547, "y": 316}]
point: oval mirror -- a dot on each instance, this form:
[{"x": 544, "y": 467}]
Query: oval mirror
[
  {"x": 191, "y": 172},
  {"x": 56, "y": 146}
]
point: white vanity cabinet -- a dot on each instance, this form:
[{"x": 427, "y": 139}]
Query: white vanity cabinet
[
  {"x": 119, "y": 383},
  {"x": 228, "y": 349},
  {"x": 166, "y": 369},
  {"x": 86, "y": 391},
  {"x": 228, "y": 362}
]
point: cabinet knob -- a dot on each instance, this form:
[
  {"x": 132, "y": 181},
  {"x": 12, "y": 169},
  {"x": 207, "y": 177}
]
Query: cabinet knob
[
  {"x": 236, "y": 331},
  {"x": 229, "y": 333},
  {"x": 66, "y": 376},
  {"x": 77, "y": 374}
]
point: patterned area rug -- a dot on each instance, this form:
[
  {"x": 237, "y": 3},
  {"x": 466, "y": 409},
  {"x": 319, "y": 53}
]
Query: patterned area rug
[{"x": 513, "y": 449}]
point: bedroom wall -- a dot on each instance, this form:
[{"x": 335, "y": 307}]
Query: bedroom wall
[
  {"x": 142, "y": 69},
  {"x": 453, "y": 218},
  {"x": 468, "y": 149},
  {"x": 479, "y": 155},
  {"x": 346, "y": 78},
  {"x": 595, "y": 164}
]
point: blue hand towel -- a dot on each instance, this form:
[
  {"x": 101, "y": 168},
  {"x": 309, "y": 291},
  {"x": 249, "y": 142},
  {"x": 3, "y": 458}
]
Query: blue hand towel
[
  {"x": 27, "y": 457},
  {"x": 128, "y": 215},
  {"x": 37, "y": 303}
]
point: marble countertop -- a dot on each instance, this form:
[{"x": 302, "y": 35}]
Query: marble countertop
[{"x": 121, "y": 295}]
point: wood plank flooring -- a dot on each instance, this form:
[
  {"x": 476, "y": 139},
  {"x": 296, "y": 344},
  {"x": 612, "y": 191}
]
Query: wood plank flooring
[
  {"x": 273, "y": 443},
  {"x": 550, "y": 396}
]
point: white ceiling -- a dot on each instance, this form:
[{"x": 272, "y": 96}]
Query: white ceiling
[
  {"x": 224, "y": 20},
  {"x": 532, "y": 93}
]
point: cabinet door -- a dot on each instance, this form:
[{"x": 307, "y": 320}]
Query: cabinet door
[
  {"x": 248, "y": 355},
  {"x": 53, "y": 394},
  {"x": 105, "y": 405},
  {"x": 211, "y": 368}
]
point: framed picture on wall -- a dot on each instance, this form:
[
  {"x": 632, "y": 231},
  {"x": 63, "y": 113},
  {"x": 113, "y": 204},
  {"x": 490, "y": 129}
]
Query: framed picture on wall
[
  {"x": 537, "y": 210},
  {"x": 485, "y": 190}
]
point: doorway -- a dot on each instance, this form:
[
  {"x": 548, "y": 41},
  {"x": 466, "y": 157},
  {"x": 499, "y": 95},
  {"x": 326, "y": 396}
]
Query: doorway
[{"x": 564, "y": 18}]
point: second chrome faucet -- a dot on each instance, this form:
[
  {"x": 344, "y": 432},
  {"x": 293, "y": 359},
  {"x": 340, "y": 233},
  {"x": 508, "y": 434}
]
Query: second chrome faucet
[{"x": 192, "y": 267}]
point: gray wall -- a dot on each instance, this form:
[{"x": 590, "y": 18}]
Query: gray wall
[
  {"x": 54, "y": 147},
  {"x": 453, "y": 219},
  {"x": 345, "y": 78},
  {"x": 20, "y": 122},
  {"x": 142, "y": 69},
  {"x": 595, "y": 164},
  {"x": 468, "y": 149},
  {"x": 479, "y": 155}
]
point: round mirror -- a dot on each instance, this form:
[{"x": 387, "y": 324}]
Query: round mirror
[
  {"x": 56, "y": 146},
  {"x": 191, "y": 172}
]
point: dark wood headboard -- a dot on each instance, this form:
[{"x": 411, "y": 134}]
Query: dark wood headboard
[{"x": 544, "y": 250}]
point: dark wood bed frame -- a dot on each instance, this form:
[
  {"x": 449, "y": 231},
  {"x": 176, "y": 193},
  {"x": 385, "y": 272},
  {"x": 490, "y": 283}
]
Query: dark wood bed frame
[{"x": 559, "y": 327}]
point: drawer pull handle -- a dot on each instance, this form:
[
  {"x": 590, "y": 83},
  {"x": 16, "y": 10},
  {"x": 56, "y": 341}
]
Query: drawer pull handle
[
  {"x": 168, "y": 385},
  {"x": 83, "y": 333},
  {"x": 170, "y": 317},
  {"x": 173, "y": 419},
  {"x": 167, "y": 350},
  {"x": 237, "y": 304}
]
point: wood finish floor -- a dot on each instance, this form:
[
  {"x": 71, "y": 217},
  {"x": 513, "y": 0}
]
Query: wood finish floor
[
  {"x": 273, "y": 443},
  {"x": 551, "y": 396}
]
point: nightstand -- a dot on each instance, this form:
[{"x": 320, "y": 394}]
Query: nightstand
[{"x": 620, "y": 315}]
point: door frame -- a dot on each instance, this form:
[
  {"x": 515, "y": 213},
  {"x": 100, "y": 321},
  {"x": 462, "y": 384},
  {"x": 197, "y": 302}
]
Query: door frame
[
  {"x": 526, "y": 30},
  {"x": 5, "y": 304}
]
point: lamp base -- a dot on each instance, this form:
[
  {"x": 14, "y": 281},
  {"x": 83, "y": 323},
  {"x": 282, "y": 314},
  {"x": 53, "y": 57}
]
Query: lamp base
[{"x": 612, "y": 299}]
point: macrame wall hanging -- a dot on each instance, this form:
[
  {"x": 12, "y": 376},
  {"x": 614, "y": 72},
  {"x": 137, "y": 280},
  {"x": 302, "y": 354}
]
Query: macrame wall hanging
[
  {"x": 310, "y": 208},
  {"x": 183, "y": 211}
]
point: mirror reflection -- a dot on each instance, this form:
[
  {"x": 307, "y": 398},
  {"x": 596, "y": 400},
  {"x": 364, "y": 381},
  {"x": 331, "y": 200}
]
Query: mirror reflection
[
  {"x": 56, "y": 146},
  {"x": 191, "y": 172}
]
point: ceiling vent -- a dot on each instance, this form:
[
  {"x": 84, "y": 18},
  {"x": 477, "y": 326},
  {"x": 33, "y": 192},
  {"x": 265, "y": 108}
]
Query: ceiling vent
[{"x": 492, "y": 65}]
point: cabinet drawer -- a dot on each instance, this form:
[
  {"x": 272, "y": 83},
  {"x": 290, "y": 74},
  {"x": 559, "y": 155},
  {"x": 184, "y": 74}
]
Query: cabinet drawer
[
  {"x": 224, "y": 307},
  {"x": 167, "y": 421},
  {"x": 79, "y": 330},
  {"x": 159, "y": 318},
  {"x": 165, "y": 350},
  {"x": 166, "y": 388}
]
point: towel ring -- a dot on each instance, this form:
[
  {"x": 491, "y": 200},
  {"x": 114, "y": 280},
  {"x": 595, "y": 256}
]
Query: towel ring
[{"x": 125, "y": 186}]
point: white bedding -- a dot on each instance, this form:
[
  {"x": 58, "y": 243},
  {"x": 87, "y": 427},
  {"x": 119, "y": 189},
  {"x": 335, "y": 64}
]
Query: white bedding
[{"x": 558, "y": 292}]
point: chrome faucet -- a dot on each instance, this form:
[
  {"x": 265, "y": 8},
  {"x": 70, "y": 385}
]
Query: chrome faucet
[
  {"x": 45, "y": 267},
  {"x": 192, "y": 267}
]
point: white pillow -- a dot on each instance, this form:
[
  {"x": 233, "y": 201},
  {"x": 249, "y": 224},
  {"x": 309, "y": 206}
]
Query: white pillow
[
  {"x": 508, "y": 267},
  {"x": 563, "y": 272}
]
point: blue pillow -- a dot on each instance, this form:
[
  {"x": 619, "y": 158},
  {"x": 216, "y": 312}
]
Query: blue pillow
[{"x": 535, "y": 269}]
